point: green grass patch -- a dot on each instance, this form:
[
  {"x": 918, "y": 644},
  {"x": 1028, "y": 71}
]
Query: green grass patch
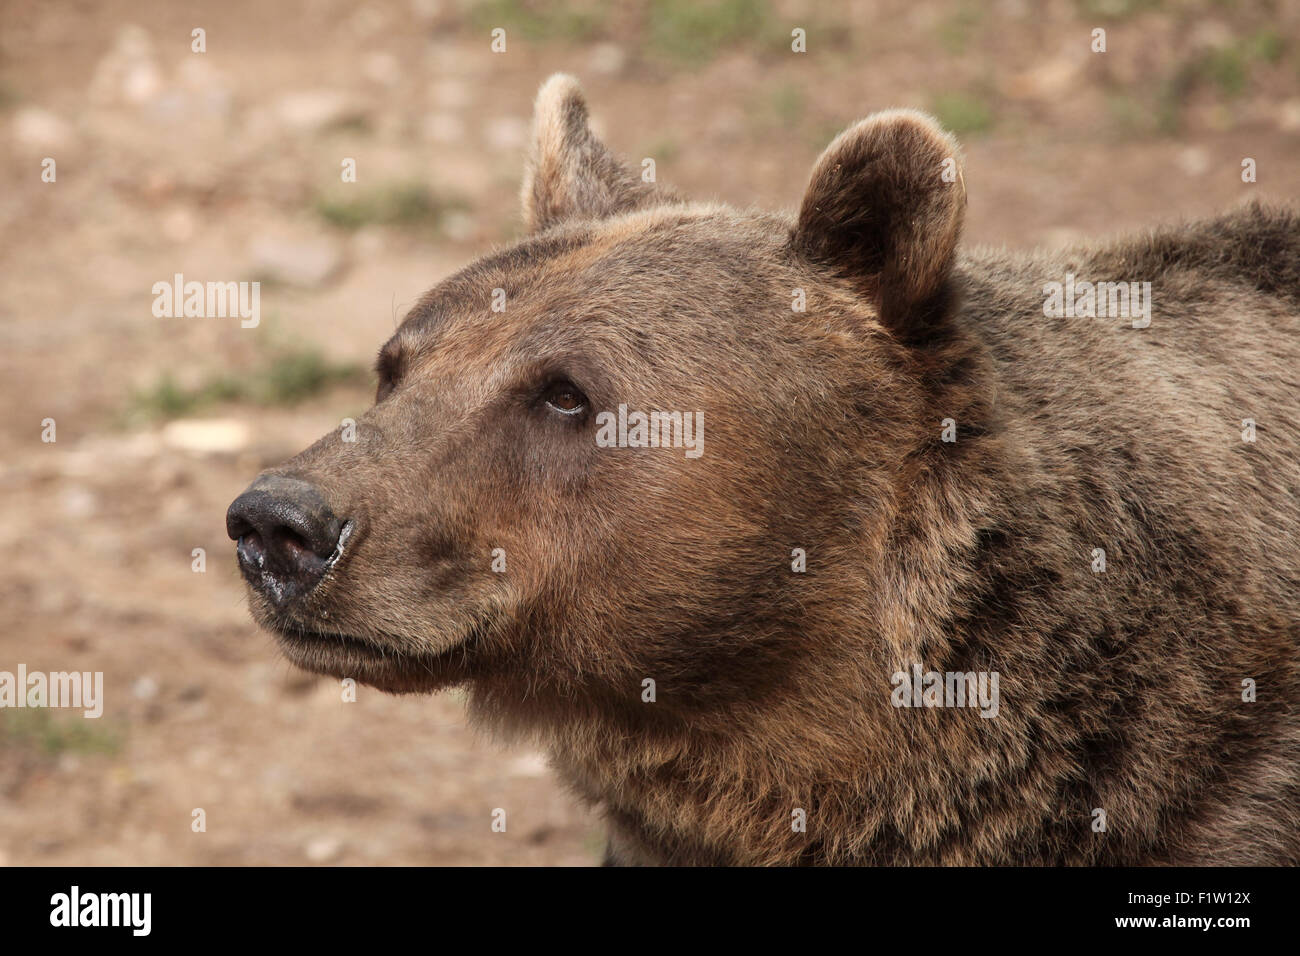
[
  {"x": 693, "y": 32},
  {"x": 285, "y": 378},
  {"x": 1125, "y": 112},
  {"x": 406, "y": 205},
  {"x": 1265, "y": 46},
  {"x": 958, "y": 28},
  {"x": 788, "y": 104},
  {"x": 38, "y": 729},
  {"x": 1116, "y": 9},
  {"x": 1226, "y": 69},
  {"x": 535, "y": 20},
  {"x": 962, "y": 113},
  {"x": 782, "y": 107},
  {"x": 1173, "y": 91},
  {"x": 663, "y": 150},
  {"x": 820, "y": 136}
]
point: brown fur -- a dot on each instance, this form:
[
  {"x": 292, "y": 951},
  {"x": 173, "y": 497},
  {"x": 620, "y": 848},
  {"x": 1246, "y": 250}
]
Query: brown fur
[{"x": 1119, "y": 690}]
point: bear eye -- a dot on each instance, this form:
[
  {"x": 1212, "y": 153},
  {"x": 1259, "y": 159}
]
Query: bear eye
[{"x": 565, "y": 398}]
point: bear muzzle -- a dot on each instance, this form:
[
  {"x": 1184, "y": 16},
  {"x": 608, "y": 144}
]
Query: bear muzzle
[{"x": 287, "y": 536}]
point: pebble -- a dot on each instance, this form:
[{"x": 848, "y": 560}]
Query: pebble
[
  {"x": 302, "y": 262},
  {"x": 315, "y": 110},
  {"x": 213, "y": 436},
  {"x": 35, "y": 128},
  {"x": 323, "y": 849}
]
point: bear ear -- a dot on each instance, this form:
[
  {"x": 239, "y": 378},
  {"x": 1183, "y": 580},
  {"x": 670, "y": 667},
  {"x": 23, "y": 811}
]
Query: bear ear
[
  {"x": 884, "y": 209},
  {"x": 570, "y": 173}
]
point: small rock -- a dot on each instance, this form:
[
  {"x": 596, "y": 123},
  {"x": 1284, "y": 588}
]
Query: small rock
[
  {"x": 128, "y": 72},
  {"x": 607, "y": 58},
  {"x": 323, "y": 849},
  {"x": 78, "y": 503},
  {"x": 205, "y": 88},
  {"x": 314, "y": 110},
  {"x": 216, "y": 436},
  {"x": 303, "y": 262},
  {"x": 1208, "y": 34},
  {"x": 144, "y": 688},
  {"x": 1048, "y": 80},
  {"x": 142, "y": 82},
  {"x": 40, "y": 129},
  {"x": 1194, "y": 161},
  {"x": 459, "y": 226},
  {"x": 1288, "y": 119}
]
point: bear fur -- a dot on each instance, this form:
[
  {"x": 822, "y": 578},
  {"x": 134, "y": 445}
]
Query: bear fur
[{"x": 949, "y": 461}]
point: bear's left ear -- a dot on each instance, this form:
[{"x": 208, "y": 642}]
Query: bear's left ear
[
  {"x": 884, "y": 209},
  {"x": 570, "y": 173}
]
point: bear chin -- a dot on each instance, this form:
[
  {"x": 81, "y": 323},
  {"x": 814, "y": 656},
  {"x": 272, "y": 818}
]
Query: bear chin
[{"x": 384, "y": 668}]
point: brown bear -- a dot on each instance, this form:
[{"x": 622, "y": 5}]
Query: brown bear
[{"x": 814, "y": 540}]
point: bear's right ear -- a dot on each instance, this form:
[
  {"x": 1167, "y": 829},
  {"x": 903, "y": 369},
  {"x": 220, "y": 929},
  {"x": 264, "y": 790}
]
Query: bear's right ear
[
  {"x": 884, "y": 209},
  {"x": 570, "y": 173}
]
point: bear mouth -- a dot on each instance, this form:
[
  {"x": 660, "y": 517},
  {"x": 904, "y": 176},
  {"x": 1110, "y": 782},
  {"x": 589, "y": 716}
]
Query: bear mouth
[
  {"x": 302, "y": 641},
  {"x": 385, "y": 667}
]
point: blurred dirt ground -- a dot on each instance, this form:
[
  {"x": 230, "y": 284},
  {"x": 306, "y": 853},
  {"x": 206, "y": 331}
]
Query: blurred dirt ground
[{"x": 225, "y": 165}]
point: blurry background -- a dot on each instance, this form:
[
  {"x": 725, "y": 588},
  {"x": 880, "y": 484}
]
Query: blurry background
[{"x": 225, "y": 166}]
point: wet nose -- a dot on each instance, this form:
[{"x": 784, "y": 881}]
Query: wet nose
[{"x": 286, "y": 534}]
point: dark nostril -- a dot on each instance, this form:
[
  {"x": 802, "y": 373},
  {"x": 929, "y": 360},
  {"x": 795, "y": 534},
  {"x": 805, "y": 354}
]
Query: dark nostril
[
  {"x": 291, "y": 542},
  {"x": 278, "y": 508},
  {"x": 250, "y": 552},
  {"x": 286, "y": 534}
]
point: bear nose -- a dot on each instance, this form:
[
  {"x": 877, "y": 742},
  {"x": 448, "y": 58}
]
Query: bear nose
[{"x": 286, "y": 535}]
